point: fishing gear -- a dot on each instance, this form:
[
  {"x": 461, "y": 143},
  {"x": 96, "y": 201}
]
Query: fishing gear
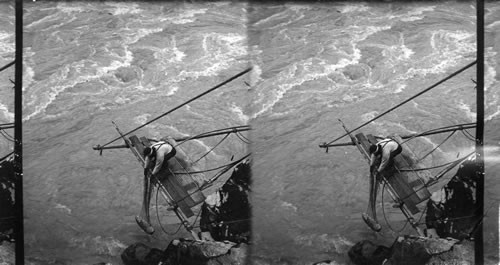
[{"x": 177, "y": 190}]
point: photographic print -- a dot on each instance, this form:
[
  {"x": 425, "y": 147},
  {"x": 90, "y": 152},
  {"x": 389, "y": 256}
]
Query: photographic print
[
  {"x": 364, "y": 118},
  {"x": 8, "y": 215},
  {"x": 135, "y": 133}
]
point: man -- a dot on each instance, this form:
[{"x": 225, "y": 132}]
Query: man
[
  {"x": 155, "y": 157},
  {"x": 381, "y": 157},
  {"x": 386, "y": 150}
]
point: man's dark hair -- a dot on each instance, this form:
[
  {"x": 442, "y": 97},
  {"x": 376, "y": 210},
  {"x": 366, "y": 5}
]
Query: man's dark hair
[
  {"x": 372, "y": 148},
  {"x": 147, "y": 151}
]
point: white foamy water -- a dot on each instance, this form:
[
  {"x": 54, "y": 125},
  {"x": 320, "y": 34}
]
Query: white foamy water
[
  {"x": 126, "y": 63},
  {"x": 310, "y": 202}
]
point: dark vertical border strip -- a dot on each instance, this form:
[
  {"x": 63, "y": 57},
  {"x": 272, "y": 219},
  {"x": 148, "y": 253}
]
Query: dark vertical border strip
[
  {"x": 478, "y": 237},
  {"x": 18, "y": 148}
]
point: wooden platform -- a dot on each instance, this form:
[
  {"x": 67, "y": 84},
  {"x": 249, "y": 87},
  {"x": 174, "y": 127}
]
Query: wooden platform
[
  {"x": 174, "y": 176},
  {"x": 408, "y": 186}
]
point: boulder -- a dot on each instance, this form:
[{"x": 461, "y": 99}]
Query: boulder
[
  {"x": 367, "y": 253},
  {"x": 226, "y": 213},
  {"x": 187, "y": 252},
  {"x": 140, "y": 254},
  {"x": 126, "y": 74},
  {"x": 413, "y": 250},
  {"x": 190, "y": 252},
  {"x": 7, "y": 253},
  {"x": 422, "y": 250},
  {"x": 451, "y": 210},
  {"x": 7, "y": 204}
]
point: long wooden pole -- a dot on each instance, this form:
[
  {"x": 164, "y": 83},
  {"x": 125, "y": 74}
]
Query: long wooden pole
[
  {"x": 478, "y": 237},
  {"x": 18, "y": 136}
]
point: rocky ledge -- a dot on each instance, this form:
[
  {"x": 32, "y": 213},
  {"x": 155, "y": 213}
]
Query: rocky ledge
[
  {"x": 413, "y": 250},
  {"x": 187, "y": 252}
]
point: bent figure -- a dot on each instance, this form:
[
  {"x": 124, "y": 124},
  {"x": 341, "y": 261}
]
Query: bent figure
[
  {"x": 386, "y": 150},
  {"x": 381, "y": 158},
  {"x": 155, "y": 157}
]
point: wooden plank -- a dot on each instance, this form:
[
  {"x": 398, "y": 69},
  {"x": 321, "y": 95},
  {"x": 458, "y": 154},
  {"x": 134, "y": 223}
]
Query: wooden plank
[
  {"x": 399, "y": 182},
  {"x": 365, "y": 144},
  {"x": 416, "y": 179}
]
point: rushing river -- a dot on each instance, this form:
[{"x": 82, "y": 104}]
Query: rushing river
[
  {"x": 317, "y": 63},
  {"x": 7, "y": 37},
  {"x": 89, "y": 63}
]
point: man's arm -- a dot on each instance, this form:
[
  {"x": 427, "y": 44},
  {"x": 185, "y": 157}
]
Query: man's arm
[
  {"x": 160, "y": 156},
  {"x": 384, "y": 162},
  {"x": 372, "y": 160}
]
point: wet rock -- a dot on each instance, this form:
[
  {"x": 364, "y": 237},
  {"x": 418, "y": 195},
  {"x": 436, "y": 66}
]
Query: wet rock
[
  {"x": 367, "y": 253},
  {"x": 140, "y": 254},
  {"x": 7, "y": 212},
  {"x": 226, "y": 213},
  {"x": 451, "y": 210},
  {"x": 187, "y": 252},
  {"x": 412, "y": 250},
  {"x": 422, "y": 250},
  {"x": 7, "y": 253},
  {"x": 354, "y": 72},
  {"x": 126, "y": 74},
  {"x": 190, "y": 252}
]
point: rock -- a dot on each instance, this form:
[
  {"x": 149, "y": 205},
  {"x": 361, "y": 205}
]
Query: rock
[
  {"x": 367, "y": 253},
  {"x": 226, "y": 213},
  {"x": 7, "y": 253},
  {"x": 140, "y": 254},
  {"x": 125, "y": 74},
  {"x": 187, "y": 252},
  {"x": 461, "y": 253},
  {"x": 451, "y": 210},
  {"x": 422, "y": 250},
  {"x": 354, "y": 72},
  {"x": 8, "y": 211},
  {"x": 190, "y": 252},
  {"x": 412, "y": 250}
]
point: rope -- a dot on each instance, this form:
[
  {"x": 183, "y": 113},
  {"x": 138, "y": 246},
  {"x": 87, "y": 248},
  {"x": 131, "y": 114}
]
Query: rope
[
  {"x": 227, "y": 222},
  {"x": 434, "y": 149},
  {"x": 206, "y": 170},
  {"x": 456, "y": 162},
  {"x": 385, "y": 217},
  {"x": 208, "y": 184},
  {"x": 212, "y": 133},
  {"x": 458, "y": 127},
  {"x": 211, "y": 149},
  {"x": 243, "y": 138},
  {"x": 7, "y": 136},
  {"x": 9, "y": 125},
  {"x": 468, "y": 135},
  {"x": 196, "y": 218},
  {"x": 7, "y": 65},
  {"x": 179, "y": 106},
  {"x": 405, "y": 101},
  {"x": 158, "y": 217},
  {"x": 450, "y": 219},
  {"x": 5, "y": 157}
]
